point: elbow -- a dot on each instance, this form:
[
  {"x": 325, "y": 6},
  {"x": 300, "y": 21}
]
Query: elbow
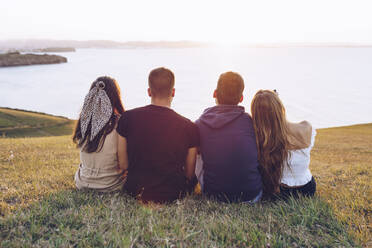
[{"x": 123, "y": 166}]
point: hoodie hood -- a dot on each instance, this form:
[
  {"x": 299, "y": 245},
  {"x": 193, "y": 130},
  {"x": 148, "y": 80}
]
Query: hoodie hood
[{"x": 221, "y": 115}]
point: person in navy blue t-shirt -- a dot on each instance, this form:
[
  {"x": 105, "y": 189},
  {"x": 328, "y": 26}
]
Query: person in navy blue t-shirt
[
  {"x": 160, "y": 145},
  {"x": 228, "y": 145}
]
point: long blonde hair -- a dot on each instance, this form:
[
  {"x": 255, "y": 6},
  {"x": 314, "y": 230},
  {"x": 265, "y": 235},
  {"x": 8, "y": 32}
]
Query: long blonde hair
[{"x": 270, "y": 125}]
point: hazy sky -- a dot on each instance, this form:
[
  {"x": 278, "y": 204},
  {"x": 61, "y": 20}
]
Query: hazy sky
[{"x": 199, "y": 20}]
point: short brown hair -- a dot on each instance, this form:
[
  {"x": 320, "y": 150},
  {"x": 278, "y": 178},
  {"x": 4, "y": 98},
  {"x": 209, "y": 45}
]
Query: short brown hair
[
  {"x": 230, "y": 88},
  {"x": 161, "y": 82}
]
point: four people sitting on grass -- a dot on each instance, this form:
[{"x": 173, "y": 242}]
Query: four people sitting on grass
[{"x": 151, "y": 152}]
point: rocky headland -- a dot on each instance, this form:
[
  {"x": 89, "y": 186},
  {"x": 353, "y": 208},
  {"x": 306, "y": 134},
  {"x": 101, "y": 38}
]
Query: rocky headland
[{"x": 18, "y": 59}]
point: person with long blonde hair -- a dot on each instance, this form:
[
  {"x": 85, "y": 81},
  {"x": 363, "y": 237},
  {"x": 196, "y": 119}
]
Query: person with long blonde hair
[{"x": 283, "y": 147}]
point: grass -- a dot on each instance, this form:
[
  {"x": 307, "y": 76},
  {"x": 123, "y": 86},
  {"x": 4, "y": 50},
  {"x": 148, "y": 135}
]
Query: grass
[
  {"x": 40, "y": 207},
  {"x": 71, "y": 218},
  {"x": 40, "y": 166},
  {"x": 21, "y": 123},
  {"x": 342, "y": 163}
]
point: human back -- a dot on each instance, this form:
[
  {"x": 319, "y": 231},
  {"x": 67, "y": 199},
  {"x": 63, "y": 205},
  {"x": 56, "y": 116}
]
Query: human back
[
  {"x": 99, "y": 170},
  {"x": 228, "y": 145},
  {"x": 161, "y": 144}
]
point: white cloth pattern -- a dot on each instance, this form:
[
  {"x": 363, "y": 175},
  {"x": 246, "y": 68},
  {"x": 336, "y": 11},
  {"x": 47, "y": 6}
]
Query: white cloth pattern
[
  {"x": 97, "y": 109},
  {"x": 298, "y": 172}
]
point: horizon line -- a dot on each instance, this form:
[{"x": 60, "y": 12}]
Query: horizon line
[{"x": 187, "y": 40}]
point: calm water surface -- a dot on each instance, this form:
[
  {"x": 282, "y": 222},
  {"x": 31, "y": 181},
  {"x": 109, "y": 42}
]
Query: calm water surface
[{"x": 326, "y": 86}]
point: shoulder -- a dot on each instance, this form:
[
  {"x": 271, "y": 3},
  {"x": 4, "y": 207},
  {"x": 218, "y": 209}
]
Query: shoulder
[
  {"x": 302, "y": 131},
  {"x": 189, "y": 126},
  {"x": 126, "y": 120},
  {"x": 137, "y": 110},
  {"x": 305, "y": 124},
  {"x": 245, "y": 123},
  {"x": 131, "y": 112},
  {"x": 303, "y": 127},
  {"x": 306, "y": 129},
  {"x": 247, "y": 118},
  {"x": 187, "y": 122}
]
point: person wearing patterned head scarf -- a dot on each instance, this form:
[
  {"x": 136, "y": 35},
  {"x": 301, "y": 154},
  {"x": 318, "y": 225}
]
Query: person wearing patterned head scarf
[{"x": 101, "y": 167}]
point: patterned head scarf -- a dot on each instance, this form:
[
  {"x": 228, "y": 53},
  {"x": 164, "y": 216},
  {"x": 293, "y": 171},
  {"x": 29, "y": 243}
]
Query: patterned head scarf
[{"x": 96, "y": 109}]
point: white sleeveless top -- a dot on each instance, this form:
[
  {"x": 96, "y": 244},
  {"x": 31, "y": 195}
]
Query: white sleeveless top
[{"x": 298, "y": 172}]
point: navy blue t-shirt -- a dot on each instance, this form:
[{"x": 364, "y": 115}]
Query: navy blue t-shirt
[
  {"x": 158, "y": 140},
  {"x": 229, "y": 153}
]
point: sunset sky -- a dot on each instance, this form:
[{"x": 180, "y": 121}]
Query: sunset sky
[{"x": 233, "y": 21}]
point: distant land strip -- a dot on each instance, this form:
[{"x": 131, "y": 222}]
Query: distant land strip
[
  {"x": 55, "y": 50},
  {"x": 18, "y": 59},
  {"x": 31, "y": 44}
]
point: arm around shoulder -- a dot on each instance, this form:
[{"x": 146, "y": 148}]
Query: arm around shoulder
[
  {"x": 308, "y": 132},
  {"x": 306, "y": 124}
]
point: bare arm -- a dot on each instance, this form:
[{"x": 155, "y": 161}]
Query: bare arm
[
  {"x": 190, "y": 162},
  {"x": 122, "y": 153}
]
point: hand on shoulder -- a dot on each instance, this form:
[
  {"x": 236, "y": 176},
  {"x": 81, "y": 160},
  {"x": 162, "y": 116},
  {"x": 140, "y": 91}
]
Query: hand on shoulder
[
  {"x": 302, "y": 133},
  {"x": 306, "y": 124}
]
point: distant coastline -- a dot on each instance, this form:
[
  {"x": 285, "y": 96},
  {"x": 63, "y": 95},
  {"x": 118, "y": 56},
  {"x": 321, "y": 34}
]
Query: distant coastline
[
  {"x": 55, "y": 50},
  {"x": 45, "y": 45}
]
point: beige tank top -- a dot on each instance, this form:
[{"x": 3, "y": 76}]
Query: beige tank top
[{"x": 99, "y": 170}]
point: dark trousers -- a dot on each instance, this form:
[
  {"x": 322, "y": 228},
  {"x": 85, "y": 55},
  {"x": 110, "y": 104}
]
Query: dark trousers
[
  {"x": 306, "y": 190},
  {"x": 186, "y": 187}
]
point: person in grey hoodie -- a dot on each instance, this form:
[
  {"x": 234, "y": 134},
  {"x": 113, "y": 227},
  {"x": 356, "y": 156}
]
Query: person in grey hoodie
[{"x": 230, "y": 168}]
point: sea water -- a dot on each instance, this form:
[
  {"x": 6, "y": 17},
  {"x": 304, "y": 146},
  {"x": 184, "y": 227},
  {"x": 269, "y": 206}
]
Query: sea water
[{"x": 326, "y": 86}]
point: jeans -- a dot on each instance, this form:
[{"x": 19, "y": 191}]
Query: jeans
[{"x": 199, "y": 172}]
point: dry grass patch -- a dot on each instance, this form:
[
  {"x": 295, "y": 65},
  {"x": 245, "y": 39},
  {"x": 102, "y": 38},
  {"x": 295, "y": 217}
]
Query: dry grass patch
[
  {"x": 342, "y": 163},
  {"x": 40, "y": 166}
]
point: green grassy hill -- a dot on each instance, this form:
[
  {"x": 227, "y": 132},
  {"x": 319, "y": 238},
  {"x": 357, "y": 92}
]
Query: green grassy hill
[
  {"x": 40, "y": 206},
  {"x": 22, "y": 123}
]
